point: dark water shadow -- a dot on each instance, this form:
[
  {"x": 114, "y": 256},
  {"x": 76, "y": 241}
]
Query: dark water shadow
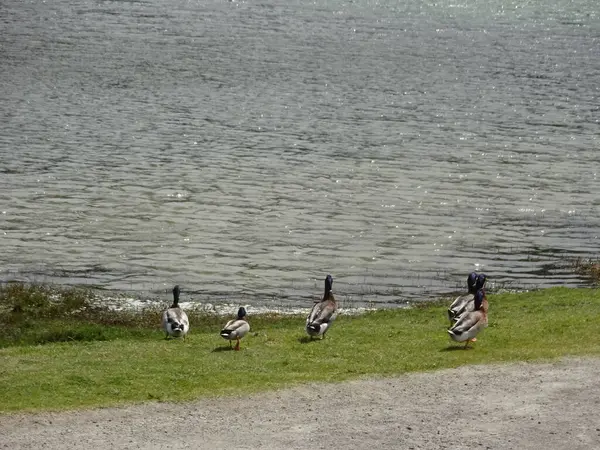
[{"x": 223, "y": 348}]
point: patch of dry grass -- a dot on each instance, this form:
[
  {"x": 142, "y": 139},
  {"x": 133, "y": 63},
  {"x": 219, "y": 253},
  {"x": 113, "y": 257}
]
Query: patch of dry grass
[{"x": 589, "y": 268}]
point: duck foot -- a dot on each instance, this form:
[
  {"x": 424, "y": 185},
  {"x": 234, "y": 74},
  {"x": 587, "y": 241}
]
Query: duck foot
[{"x": 468, "y": 341}]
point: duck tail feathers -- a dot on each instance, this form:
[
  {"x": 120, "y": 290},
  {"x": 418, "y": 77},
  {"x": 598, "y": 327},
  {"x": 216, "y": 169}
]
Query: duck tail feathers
[
  {"x": 314, "y": 327},
  {"x": 456, "y": 336},
  {"x": 225, "y": 333},
  {"x": 452, "y": 333}
]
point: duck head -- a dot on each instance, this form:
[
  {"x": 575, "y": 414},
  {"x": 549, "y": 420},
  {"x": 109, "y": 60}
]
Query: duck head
[
  {"x": 328, "y": 284},
  {"x": 481, "y": 279},
  {"x": 471, "y": 281},
  {"x": 241, "y": 313},
  {"x": 479, "y": 298},
  {"x": 175, "y": 297}
]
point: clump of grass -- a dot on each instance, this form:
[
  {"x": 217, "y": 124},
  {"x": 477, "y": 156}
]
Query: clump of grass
[
  {"x": 40, "y": 301},
  {"x": 35, "y": 314},
  {"x": 589, "y": 268}
]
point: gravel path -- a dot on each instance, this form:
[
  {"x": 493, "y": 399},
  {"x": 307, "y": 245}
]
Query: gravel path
[{"x": 518, "y": 406}]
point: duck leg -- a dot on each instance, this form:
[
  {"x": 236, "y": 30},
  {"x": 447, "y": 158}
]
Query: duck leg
[
  {"x": 237, "y": 345},
  {"x": 230, "y": 344},
  {"x": 468, "y": 341}
]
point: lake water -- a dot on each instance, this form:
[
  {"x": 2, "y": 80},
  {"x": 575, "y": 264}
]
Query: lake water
[{"x": 245, "y": 149}]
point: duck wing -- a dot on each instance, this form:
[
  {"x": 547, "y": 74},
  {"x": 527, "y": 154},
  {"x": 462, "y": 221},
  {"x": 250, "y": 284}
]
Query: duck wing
[
  {"x": 233, "y": 325},
  {"x": 467, "y": 321},
  {"x": 236, "y": 327},
  {"x": 459, "y": 305},
  {"x": 183, "y": 317},
  {"x": 175, "y": 315},
  {"x": 322, "y": 312}
]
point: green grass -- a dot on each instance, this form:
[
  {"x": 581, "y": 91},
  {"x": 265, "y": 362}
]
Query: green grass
[{"x": 112, "y": 360}]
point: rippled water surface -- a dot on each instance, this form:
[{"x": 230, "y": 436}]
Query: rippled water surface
[{"x": 244, "y": 149}]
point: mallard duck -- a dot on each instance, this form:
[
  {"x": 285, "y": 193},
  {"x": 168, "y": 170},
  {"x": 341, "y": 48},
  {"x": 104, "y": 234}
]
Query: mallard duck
[
  {"x": 236, "y": 328},
  {"x": 322, "y": 313},
  {"x": 471, "y": 323},
  {"x": 175, "y": 321},
  {"x": 458, "y": 306},
  {"x": 468, "y": 304}
]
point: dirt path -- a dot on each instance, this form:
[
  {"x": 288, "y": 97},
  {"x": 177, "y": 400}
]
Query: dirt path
[{"x": 520, "y": 406}]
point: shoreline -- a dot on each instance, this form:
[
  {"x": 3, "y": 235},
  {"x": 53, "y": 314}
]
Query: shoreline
[{"x": 128, "y": 301}]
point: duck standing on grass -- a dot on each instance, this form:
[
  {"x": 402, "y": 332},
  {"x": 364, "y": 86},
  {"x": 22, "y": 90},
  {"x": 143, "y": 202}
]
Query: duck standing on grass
[
  {"x": 322, "y": 313},
  {"x": 458, "y": 305},
  {"x": 472, "y": 322},
  {"x": 175, "y": 321},
  {"x": 236, "y": 328},
  {"x": 468, "y": 303}
]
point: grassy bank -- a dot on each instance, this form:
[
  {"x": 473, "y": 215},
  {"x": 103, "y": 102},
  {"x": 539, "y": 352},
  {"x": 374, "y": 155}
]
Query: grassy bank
[{"x": 66, "y": 354}]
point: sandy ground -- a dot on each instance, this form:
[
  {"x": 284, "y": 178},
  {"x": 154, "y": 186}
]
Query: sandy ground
[{"x": 518, "y": 406}]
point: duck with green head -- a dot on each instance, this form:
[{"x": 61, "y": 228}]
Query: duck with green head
[
  {"x": 459, "y": 303},
  {"x": 471, "y": 323},
  {"x": 465, "y": 303},
  {"x": 323, "y": 313}
]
